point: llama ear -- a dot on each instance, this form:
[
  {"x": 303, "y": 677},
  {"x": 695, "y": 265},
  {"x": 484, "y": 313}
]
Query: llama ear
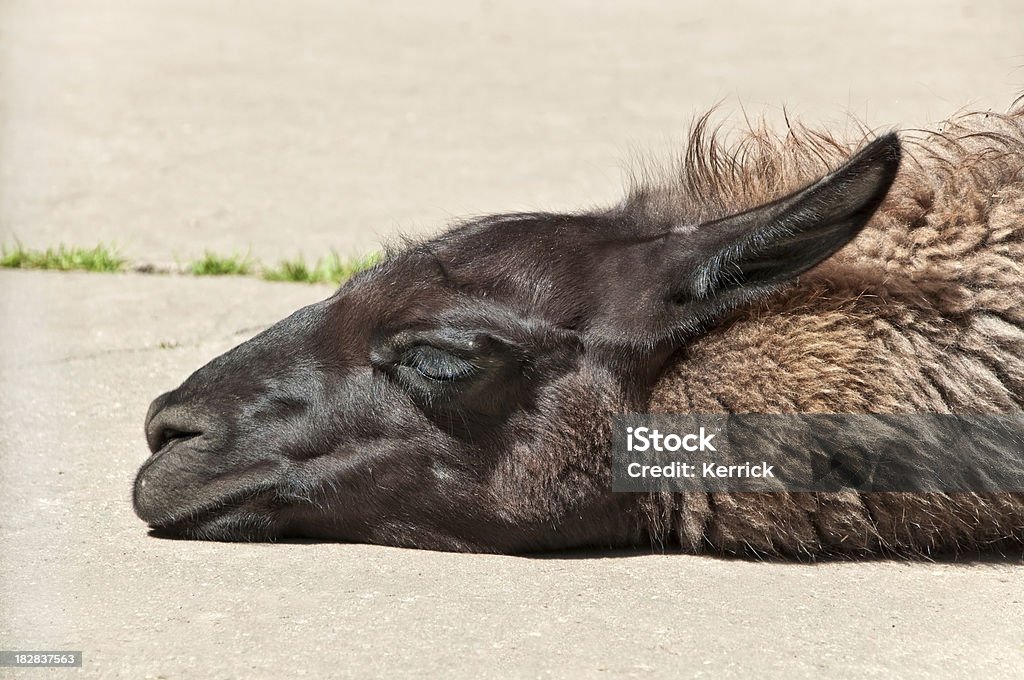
[{"x": 755, "y": 251}]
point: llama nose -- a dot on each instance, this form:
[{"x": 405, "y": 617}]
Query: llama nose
[{"x": 167, "y": 421}]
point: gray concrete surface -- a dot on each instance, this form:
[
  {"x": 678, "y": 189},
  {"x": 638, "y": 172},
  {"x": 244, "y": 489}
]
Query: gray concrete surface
[
  {"x": 171, "y": 126},
  {"x": 82, "y": 356}
]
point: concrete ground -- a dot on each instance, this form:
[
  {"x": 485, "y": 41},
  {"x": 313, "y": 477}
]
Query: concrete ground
[
  {"x": 170, "y": 126},
  {"x": 84, "y": 353},
  {"x": 178, "y": 125}
]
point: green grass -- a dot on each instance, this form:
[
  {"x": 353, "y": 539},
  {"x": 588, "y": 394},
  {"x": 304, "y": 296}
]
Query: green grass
[
  {"x": 63, "y": 258},
  {"x": 212, "y": 264},
  {"x": 330, "y": 269}
]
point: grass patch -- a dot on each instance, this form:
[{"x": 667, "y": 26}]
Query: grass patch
[
  {"x": 63, "y": 258},
  {"x": 212, "y": 264},
  {"x": 330, "y": 269}
]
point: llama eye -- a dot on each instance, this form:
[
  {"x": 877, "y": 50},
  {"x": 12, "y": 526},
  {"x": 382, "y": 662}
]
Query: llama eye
[{"x": 436, "y": 364}]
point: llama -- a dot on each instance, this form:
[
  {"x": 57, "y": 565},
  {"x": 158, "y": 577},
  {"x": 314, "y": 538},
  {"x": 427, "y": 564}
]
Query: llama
[{"x": 458, "y": 396}]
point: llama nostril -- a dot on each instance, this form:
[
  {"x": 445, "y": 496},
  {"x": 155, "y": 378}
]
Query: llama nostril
[
  {"x": 168, "y": 434},
  {"x": 166, "y": 423}
]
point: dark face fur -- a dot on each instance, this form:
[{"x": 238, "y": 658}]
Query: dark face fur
[{"x": 458, "y": 395}]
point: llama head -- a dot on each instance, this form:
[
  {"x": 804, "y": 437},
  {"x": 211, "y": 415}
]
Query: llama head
[{"x": 457, "y": 395}]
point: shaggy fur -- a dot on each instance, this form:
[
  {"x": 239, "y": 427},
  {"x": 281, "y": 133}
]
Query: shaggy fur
[{"x": 923, "y": 312}]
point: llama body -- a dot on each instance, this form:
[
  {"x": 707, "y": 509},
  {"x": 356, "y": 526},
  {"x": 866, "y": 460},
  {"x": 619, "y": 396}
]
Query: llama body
[
  {"x": 459, "y": 395},
  {"x": 922, "y": 313}
]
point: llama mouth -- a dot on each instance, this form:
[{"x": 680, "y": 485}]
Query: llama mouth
[
  {"x": 175, "y": 501},
  {"x": 176, "y": 492},
  {"x": 229, "y": 519}
]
